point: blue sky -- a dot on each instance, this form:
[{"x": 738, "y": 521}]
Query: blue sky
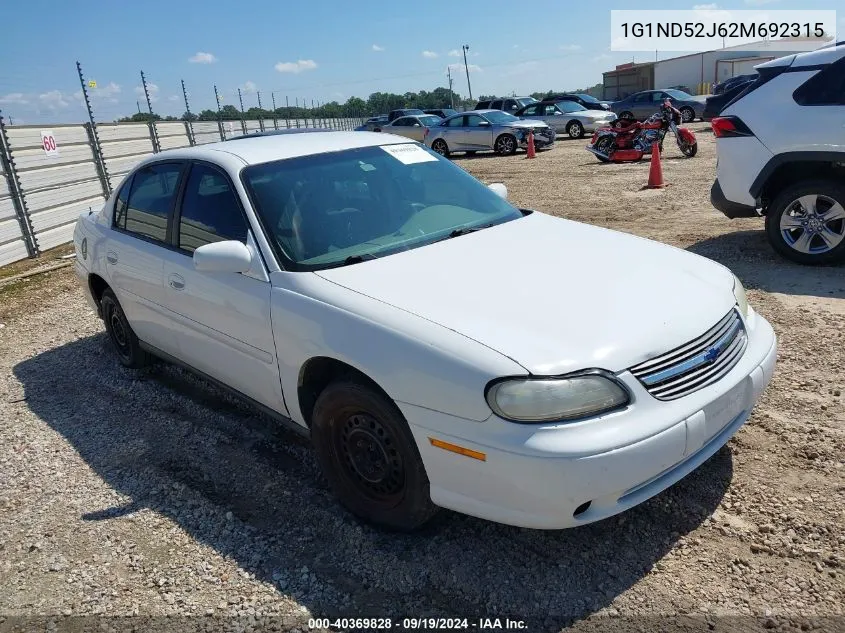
[{"x": 324, "y": 51}]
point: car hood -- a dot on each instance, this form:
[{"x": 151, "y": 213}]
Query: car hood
[
  {"x": 553, "y": 295},
  {"x": 527, "y": 123},
  {"x": 593, "y": 114}
]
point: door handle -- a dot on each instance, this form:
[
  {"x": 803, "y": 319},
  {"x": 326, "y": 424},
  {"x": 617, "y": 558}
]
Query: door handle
[
  {"x": 111, "y": 257},
  {"x": 177, "y": 282}
]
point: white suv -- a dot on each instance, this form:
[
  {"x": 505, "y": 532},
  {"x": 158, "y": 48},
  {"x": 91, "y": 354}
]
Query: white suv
[{"x": 781, "y": 154}]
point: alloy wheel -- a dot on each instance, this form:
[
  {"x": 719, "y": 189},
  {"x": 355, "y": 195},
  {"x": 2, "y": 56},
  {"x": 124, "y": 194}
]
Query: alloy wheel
[{"x": 813, "y": 224}]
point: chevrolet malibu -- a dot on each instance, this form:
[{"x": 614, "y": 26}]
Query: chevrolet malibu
[{"x": 365, "y": 291}]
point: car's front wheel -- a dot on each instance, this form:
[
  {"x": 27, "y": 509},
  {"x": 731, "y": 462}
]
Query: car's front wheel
[
  {"x": 369, "y": 456},
  {"x": 122, "y": 336},
  {"x": 505, "y": 145},
  {"x": 806, "y": 222}
]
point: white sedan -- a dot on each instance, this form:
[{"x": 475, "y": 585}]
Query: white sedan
[{"x": 441, "y": 347}]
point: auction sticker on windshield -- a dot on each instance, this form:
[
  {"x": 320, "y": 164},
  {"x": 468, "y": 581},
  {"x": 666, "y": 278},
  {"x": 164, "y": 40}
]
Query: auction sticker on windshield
[{"x": 408, "y": 154}]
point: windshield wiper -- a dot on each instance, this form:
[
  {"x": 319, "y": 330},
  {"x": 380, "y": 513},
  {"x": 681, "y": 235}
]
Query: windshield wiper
[
  {"x": 357, "y": 259},
  {"x": 464, "y": 230}
]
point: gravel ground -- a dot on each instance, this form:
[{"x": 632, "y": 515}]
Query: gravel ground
[{"x": 150, "y": 494}]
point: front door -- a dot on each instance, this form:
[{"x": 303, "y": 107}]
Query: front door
[
  {"x": 477, "y": 132},
  {"x": 222, "y": 320}
]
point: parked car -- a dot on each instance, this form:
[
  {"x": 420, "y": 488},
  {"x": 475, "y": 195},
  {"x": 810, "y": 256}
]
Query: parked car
[
  {"x": 415, "y": 127},
  {"x": 713, "y": 104},
  {"x": 361, "y": 290},
  {"x": 781, "y": 155},
  {"x": 729, "y": 83},
  {"x": 588, "y": 101},
  {"x": 508, "y": 104},
  {"x": 487, "y": 130},
  {"x": 567, "y": 117},
  {"x": 642, "y": 105},
  {"x": 395, "y": 114},
  {"x": 373, "y": 122},
  {"x": 441, "y": 112}
]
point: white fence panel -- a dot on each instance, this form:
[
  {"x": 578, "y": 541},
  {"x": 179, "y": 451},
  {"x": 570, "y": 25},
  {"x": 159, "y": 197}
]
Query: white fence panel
[
  {"x": 172, "y": 134},
  {"x": 12, "y": 245}
]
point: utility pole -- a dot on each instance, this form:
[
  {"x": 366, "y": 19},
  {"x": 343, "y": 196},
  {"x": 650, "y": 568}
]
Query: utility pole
[
  {"x": 451, "y": 94},
  {"x": 465, "y": 48}
]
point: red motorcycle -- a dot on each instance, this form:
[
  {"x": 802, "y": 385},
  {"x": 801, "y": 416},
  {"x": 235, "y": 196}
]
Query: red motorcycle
[{"x": 630, "y": 140}]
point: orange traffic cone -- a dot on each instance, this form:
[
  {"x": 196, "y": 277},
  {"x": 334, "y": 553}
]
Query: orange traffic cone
[
  {"x": 655, "y": 172},
  {"x": 531, "y": 151}
]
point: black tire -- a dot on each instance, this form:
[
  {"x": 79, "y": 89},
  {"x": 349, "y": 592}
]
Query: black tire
[
  {"x": 786, "y": 241},
  {"x": 376, "y": 129},
  {"x": 628, "y": 116},
  {"x": 687, "y": 150},
  {"x": 604, "y": 145},
  {"x": 574, "y": 129},
  {"x": 370, "y": 458},
  {"x": 505, "y": 145},
  {"x": 121, "y": 333},
  {"x": 687, "y": 114},
  {"x": 439, "y": 146}
]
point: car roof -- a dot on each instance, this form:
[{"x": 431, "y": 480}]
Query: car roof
[
  {"x": 296, "y": 130},
  {"x": 255, "y": 149}
]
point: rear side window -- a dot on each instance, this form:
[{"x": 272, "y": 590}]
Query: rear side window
[
  {"x": 150, "y": 199},
  {"x": 210, "y": 210},
  {"x": 826, "y": 87},
  {"x": 121, "y": 204}
]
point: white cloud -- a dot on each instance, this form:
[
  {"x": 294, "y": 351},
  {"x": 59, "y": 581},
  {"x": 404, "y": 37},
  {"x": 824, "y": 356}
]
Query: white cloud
[
  {"x": 429, "y": 54},
  {"x": 377, "y": 48},
  {"x": 54, "y": 99},
  {"x": 454, "y": 53},
  {"x": 202, "y": 58},
  {"x": 296, "y": 67},
  {"x": 570, "y": 47},
  {"x": 16, "y": 98},
  {"x": 705, "y": 7},
  {"x": 473, "y": 68},
  {"x": 249, "y": 87},
  {"x": 173, "y": 98},
  {"x": 153, "y": 90}
]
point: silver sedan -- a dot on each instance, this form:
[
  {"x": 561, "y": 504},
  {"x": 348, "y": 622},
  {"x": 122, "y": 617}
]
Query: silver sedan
[
  {"x": 568, "y": 117},
  {"x": 413, "y": 126},
  {"x": 481, "y": 130}
]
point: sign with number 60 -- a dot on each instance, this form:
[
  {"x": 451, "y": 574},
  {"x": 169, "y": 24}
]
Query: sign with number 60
[{"x": 48, "y": 143}]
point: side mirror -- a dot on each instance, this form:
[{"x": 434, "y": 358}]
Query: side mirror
[
  {"x": 484, "y": 124},
  {"x": 230, "y": 256},
  {"x": 499, "y": 189}
]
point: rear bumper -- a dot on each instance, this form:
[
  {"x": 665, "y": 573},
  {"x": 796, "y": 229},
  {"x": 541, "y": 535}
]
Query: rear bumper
[{"x": 731, "y": 209}]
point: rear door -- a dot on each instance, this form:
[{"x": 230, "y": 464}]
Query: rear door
[
  {"x": 136, "y": 248},
  {"x": 222, "y": 320},
  {"x": 453, "y": 132}
]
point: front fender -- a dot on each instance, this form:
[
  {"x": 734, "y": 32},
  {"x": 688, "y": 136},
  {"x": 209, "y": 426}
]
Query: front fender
[
  {"x": 413, "y": 360},
  {"x": 687, "y": 135}
]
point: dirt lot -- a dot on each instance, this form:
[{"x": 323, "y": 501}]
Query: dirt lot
[{"x": 149, "y": 493}]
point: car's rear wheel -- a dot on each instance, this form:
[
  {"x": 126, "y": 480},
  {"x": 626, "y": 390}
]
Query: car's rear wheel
[
  {"x": 575, "y": 129},
  {"x": 626, "y": 115},
  {"x": 440, "y": 147},
  {"x": 122, "y": 336},
  {"x": 369, "y": 456},
  {"x": 505, "y": 145},
  {"x": 687, "y": 114},
  {"x": 806, "y": 222}
]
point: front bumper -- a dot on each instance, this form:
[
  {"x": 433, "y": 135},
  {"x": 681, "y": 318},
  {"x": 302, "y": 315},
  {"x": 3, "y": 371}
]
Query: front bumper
[
  {"x": 537, "y": 476},
  {"x": 731, "y": 209},
  {"x": 541, "y": 140}
]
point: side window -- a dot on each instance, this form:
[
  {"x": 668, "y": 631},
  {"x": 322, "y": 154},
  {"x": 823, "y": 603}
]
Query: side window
[
  {"x": 473, "y": 120},
  {"x": 496, "y": 105},
  {"x": 658, "y": 97},
  {"x": 550, "y": 110},
  {"x": 458, "y": 121},
  {"x": 641, "y": 98},
  {"x": 210, "y": 210},
  {"x": 510, "y": 106},
  {"x": 826, "y": 87},
  {"x": 150, "y": 200},
  {"x": 530, "y": 111},
  {"x": 120, "y": 205}
]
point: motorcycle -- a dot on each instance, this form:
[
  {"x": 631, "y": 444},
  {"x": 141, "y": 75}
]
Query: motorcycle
[{"x": 626, "y": 141}]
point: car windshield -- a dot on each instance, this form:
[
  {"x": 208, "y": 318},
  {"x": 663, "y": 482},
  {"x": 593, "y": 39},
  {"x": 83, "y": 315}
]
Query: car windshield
[
  {"x": 679, "y": 94},
  {"x": 430, "y": 120},
  {"x": 500, "y": 117},
  {"x": 587, "y": 98},
  {"x": 339, "y": 208},
  {"x": 570, "y": 106}
]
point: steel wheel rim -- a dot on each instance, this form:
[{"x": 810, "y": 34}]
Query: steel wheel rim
[
  {"x": 813, "y": 224},
  {"x": 118, "y": 331},
  {"x": 370, "y": 458}
]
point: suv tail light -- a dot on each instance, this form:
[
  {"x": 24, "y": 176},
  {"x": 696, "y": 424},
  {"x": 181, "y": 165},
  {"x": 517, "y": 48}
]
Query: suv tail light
[{"x": 729, "y": 126}]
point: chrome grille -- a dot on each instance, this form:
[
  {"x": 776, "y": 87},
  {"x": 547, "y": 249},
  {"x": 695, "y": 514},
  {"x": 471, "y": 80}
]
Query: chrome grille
[{"x": 699, "y": 363}]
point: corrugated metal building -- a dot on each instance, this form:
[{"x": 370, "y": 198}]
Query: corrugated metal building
[{"x": 698, "y": 71}]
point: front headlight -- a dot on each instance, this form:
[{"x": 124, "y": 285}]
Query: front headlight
[
  {"x": 741, "y": 299},
  {"x": 553, "y": 399}
]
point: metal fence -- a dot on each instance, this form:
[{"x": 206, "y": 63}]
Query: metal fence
[{"x": 49, "y": 174}]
